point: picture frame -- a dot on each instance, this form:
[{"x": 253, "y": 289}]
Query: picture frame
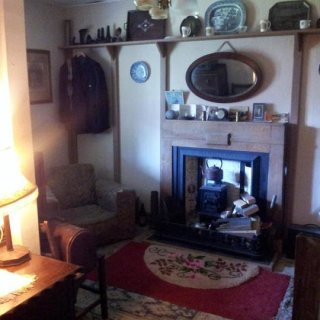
[
  {"x": 174, "y": 97},
  {"x": 259, "y": 112},
  {"x": 39, "y": 76}
]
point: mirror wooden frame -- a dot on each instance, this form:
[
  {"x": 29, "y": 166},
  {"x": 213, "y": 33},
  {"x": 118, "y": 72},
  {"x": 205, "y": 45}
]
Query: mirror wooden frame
[{"x": 225, "y": 56}]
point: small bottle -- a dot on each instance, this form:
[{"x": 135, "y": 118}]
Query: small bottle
[
  {"x": 108, "y": 35},
  {"x": 102, "y": 35},
  {"x": 142, "y": 216},
  {"x": 204, "y": 115}
]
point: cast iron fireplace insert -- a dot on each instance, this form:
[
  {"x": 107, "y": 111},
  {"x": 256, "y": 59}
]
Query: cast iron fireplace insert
[{"x": 172, "y": 222}]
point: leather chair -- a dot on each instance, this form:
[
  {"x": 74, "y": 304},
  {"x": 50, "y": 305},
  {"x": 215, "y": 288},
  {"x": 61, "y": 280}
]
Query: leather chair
[{"x": 77, "y": 245}]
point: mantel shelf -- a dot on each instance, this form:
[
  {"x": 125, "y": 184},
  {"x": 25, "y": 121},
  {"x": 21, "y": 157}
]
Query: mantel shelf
[{"x": 114, "y": 47}]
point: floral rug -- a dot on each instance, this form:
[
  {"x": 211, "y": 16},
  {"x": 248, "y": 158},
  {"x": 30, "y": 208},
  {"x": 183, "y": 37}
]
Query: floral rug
[
  {"x": 126, "y": 305},
  {"x": 191, "y": 269},
  {"x": 258, "y": 298}
]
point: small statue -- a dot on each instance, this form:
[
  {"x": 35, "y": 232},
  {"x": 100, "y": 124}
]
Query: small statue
[{"x": 117, "y": 35}]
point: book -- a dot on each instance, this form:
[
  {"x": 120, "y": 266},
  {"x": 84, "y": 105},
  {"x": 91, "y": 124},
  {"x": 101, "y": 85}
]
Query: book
[
  {"x": 234, "y": 224},
  {"x": 248, "y": 211},
  {"x": 253, "y": 230},
  {"x": 240, "y": 204},
  {"x": 242, "y": 233},
  {"x": 247, "y": 198}
]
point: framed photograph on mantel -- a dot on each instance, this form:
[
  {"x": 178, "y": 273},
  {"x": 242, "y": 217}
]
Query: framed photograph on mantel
[
  {"x": 39, "y": 76},
  {"x": 259, "y": 112}
]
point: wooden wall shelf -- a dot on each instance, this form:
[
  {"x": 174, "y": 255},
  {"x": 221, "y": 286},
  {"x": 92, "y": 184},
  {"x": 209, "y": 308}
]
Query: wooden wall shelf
[{"x": 114, "y": 47}]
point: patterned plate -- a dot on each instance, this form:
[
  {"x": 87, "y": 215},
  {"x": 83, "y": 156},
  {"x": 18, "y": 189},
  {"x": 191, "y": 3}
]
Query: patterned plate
[
  {"x": 140, "y": 71},
  {"x": 226, "y": 16}
]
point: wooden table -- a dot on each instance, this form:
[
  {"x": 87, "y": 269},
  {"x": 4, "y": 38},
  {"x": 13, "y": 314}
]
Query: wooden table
[{"x": 52, "y": 295}]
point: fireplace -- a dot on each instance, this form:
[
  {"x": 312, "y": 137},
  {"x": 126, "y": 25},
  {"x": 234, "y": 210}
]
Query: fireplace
[
  {"x": 188, "y": 182},
  {"x": 255, "y": 152}
]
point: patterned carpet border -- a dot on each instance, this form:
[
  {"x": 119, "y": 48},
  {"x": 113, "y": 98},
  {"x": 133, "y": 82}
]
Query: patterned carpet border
[{"x": 124, "y": 305}]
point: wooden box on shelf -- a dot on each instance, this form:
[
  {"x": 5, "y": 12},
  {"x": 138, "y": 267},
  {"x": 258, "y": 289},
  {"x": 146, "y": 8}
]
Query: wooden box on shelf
[{"x": 140, "y": 26}]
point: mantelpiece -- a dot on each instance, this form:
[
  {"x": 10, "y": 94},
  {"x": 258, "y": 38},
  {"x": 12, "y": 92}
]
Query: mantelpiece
[{"x": 244, "y": 136}]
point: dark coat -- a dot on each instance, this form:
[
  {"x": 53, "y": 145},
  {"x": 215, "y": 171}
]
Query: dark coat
[{"x": 88, "y": 110}]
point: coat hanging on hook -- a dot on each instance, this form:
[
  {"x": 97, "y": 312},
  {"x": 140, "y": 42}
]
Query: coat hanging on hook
[{"x": 84, "y": 105}]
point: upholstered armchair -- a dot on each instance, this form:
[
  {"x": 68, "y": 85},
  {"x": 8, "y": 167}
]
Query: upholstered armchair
[
  {"x": 104, "y": 207},
  {"x": 77, "y": 245}
]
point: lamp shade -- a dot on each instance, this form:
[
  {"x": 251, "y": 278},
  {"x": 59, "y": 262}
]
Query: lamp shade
[{"x": 15, "y": 190}]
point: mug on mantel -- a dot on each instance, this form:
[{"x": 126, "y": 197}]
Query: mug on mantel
[
  {"x": 305, "y": 24},
  {"x": 265, "y": 25},
  {"x": 185, "y": 31}
]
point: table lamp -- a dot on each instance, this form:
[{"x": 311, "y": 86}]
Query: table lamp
[{"x": 15, "y": 192}]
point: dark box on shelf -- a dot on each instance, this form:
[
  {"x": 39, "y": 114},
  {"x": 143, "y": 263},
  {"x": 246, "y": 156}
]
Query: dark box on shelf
[{"x": 140, "y": 26}]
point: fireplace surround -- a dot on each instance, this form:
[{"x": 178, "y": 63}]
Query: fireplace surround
[{"x": 259, "y": 144}]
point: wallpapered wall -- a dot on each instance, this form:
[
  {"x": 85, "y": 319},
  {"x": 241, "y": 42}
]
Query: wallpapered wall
[{"x": 140, "y": 104}]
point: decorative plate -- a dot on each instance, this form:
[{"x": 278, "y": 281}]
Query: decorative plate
[
  {"x": 286, "y": 15},
  {"x": 194, "y": 23},
  {"x": 140, "y": 71},
  {"x": 226, "y": 16}
]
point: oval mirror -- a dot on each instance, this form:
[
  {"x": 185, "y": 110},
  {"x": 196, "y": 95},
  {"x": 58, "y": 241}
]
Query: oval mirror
[{"x": 224, "y": 77}]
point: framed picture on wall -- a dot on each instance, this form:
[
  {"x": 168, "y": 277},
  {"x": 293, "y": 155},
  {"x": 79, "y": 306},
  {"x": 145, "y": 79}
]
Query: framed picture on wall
[
  {"x": 259, "y": 111},
  {"x": 39, "y": 76}
]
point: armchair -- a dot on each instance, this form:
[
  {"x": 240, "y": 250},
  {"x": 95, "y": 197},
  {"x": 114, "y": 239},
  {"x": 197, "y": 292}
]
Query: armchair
[
  {"x": 76, "y": 245},
  {"x": 103, "y": 207}
]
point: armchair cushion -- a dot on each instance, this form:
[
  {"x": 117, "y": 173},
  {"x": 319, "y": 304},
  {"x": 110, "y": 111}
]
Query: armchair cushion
[
  {"x": 73, "y": 185},
  {"x": 106, "y": 192},
  {"x": 80, "y": 216}
]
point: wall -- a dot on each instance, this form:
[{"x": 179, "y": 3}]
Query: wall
[
  {"x": 44, "y": 30},
  {"x": 13, "y": 77},
  {"x": 274, "y": 54},
  {"x": 307, "y": 178},
  {"x": 140, "y": 122}
]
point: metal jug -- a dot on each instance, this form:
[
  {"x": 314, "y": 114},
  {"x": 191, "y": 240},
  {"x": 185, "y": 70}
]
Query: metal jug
[{"x": 213, "y": 173}]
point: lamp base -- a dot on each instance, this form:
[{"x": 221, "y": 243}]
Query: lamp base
[{"x": 15, "y": 257}]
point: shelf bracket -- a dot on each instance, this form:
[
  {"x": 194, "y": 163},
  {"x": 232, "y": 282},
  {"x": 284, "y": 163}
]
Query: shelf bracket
[
  {"x": 162, "y": 49},
  {"x": 300, "y": 41},
  {"x": 113, "y": 51}
]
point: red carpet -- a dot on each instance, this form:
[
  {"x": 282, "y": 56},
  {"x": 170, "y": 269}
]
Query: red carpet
[{"x": 256, "y": 299}]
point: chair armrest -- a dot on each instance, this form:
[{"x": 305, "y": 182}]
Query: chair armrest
[
  {"x": 114, "y": 197},
  {"x": 126, "y": 206},
  {"x": 106, "y": 192}
]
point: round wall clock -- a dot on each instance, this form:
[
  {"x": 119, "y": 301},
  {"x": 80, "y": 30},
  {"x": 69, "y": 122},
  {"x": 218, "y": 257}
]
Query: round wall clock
[{"x": 140, "y": 71}]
